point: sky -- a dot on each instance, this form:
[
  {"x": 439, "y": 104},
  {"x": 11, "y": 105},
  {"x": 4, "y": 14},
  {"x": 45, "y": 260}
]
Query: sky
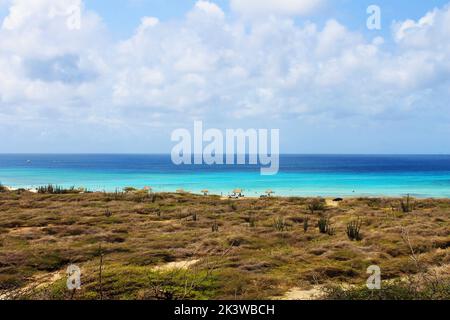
[{"x": 118, "y": 76}]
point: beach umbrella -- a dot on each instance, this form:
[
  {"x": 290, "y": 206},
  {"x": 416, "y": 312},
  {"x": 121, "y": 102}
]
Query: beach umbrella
[
  {"x": 269, "y": 192},
  {"x": 148, "y": 189},
  {"x": 205, "y": 192},
  {"x": 181, "y": 191}
]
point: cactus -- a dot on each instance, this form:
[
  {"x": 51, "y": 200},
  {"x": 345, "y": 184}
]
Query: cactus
[
  {"x": 50, "y": 189},
  {"x": 407, "y": 206},
  {"x": 252, "y": 221},
  {"x": 325, "y": 225},
  {"x": 331, "y": 231},
  {"x": 280, "y": 224},
  {"x": 215, "y": 227},
  {"x": 353, "y": 230},
  {"x": 306, "y": 224},
  {"x": 108, "y": 213}
]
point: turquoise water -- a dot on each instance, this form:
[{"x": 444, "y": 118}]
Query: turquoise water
[{"x": 357, "y": 175}]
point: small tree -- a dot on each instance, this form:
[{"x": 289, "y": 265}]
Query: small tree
[{"x": 129, "y": 189}]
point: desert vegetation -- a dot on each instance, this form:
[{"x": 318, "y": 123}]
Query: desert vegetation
[{"x": 143, "y": 245}]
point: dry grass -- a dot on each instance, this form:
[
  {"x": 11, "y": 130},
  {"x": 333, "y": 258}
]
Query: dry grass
[{"x": 260, "y": 249}]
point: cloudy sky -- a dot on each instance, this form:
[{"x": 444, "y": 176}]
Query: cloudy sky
[{"x": 127, "y": 73}]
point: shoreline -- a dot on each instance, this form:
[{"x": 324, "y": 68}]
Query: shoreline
[{"x": 226, "y": 195}]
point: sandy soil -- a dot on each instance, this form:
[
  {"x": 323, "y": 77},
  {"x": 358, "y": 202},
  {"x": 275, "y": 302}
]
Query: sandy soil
[
  {"x": 177, "y": 265},
  {"x": 38, "y": 282},
  {"x": 331, "y": 203},
  {"x": 301, "y": 294}
]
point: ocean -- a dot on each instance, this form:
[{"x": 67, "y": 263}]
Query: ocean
[{"x": 300, "y": 175}]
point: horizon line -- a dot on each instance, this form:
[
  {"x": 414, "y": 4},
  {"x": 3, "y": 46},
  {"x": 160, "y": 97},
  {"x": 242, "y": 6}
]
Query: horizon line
[{"x": 281, "y": 154}]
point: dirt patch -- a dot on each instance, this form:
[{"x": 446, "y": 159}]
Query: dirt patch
[
  {"x": 36, "y": 283},
  {"x": 176, "y": 265},
  {"x": 331, "y": 203},
  {"x": 21, "y": 231},
  {"x": 301, "y": 294}
]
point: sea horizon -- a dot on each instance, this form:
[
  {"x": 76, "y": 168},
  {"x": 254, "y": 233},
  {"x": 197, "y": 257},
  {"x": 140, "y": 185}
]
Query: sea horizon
[{"x": 326, "y": 175}]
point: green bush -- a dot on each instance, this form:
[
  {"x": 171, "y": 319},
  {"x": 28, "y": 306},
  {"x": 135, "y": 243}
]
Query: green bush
[
  {"x": 51, "y": 189},
  {"x": 317, "y": 204}
]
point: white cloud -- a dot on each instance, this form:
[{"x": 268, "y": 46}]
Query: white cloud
[
  {"x": 432, "y": 30},
  {"x": 275, "y": 7},
  {"x": 148, "y": 22},
  {"x": 207, "y": 65},
  {"x": 210, "y": 9},
  {"x": 49, "y": 71},
  {"x": 408, "y": 27}
]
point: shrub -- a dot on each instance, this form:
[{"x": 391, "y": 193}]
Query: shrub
[
  {"x": 116, "y": 195},
  {"x": 353, "y": 230},
  {"x": 2, "y": 188},
  {"x": 280, "y": 224},
  {"x": 251, "y": 221},
  {"x": 140, "y": 195},
  {"x": 51, "y": 189},
  {"x": 154, "y": 197},
  {"x": 317, "y": 204},
  {"x": 325, "y": 225}
]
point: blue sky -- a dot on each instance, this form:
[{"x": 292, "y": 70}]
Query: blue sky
[
  {"x": 135, "y": 70},
  {"x": 123, "y": 16}
]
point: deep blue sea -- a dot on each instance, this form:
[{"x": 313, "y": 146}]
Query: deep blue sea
[{"x": 300, "y": 175}]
